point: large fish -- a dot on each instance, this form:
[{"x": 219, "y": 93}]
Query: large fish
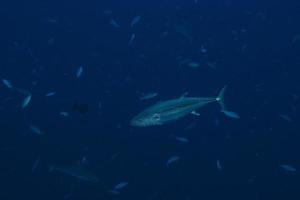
[{"x": 171, "y": 110}]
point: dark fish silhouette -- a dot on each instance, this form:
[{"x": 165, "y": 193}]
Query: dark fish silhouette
[{"x": 81, "y": 108}]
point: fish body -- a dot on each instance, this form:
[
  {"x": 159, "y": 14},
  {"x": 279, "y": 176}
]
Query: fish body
[
  {"x": 231, "y": 114},
  {"x": 36, "y": 164},
  {"x": 79, "y": 71},
  {"x": 286, "y": 118},
  {"x": 75, "y": 171},
  {"x": 131, "y": 39},
  {"x": 195, "y": 113},
  {"x": 26, "y": 101},
  {"x": 7, "y": 83},
  {"x": 49, "y": 94},
  {"x": 219, "y": 166},
  {"x": 171, "y": 160},
  {"x": 182, "y": 139},
  {"x": 135, "y": 20},
  {"x": 193, "y": 64},
  {"x": 288, "y": 168},
  {"x": 172, "y": 110},
  {"x": 114, "y": 23},
  {"x": 148, "y": 96},
  {"x": 65, "y": 114},
  {"x": 36, "y": 130},
  {"x": 120, "y": 185},
  {"x": 113, "y": 192}
]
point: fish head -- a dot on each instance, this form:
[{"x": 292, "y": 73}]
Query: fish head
[{"x": 146, "y": 120}]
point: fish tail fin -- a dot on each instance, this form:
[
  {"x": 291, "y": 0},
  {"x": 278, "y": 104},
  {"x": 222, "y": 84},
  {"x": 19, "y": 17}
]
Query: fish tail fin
[{"x": 220, "y": 98}]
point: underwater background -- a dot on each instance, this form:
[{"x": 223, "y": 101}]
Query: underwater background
[{"x": 74, "y": 73}]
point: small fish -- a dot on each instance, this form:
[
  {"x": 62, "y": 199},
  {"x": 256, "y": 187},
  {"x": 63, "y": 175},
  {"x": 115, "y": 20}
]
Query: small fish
[
  {"x": 36, "y": 164},
  {"x": 83, "y": 161},
  {"x": 79, "y": 71},
  {"x": 26, "y": 101},
  {"x": 289, "y": 168},
  {"x": 76, "y": 171},
  {"x": 193, "y": 64},
  {"x": 114, "y": 156},
  {"x": 203, "y": 50},
  {"x": 182, "y": 139},
  {"x": 286, "y": 118},
  {"x": 7, "y": 83},
  {"x": 195, "y": 113},
  {"x": 230, "y": 114},
  {"x": 148, "y": 96},
  {"x": 120, "y": 185},
  {"x": 171, "y": 160},
  {"x": 113, "y": 192},
  {"x": 135, "y": 20},
  {"x": 184, "y": 62},
  {"x": 131, "y": 39},
  {"x": 219, "y": 166},
  {"x": 36, "y": 130},
  {"x": 65, "y": 114},
  {"x": 49, "y": 94},
  {"x": 114, "y": 23}
]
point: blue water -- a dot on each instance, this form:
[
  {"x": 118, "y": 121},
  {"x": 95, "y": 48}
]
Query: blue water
[{"x": 253, "y": 47}]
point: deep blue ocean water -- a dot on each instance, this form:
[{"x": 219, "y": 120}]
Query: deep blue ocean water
[{"x": 251, "y": 46}]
